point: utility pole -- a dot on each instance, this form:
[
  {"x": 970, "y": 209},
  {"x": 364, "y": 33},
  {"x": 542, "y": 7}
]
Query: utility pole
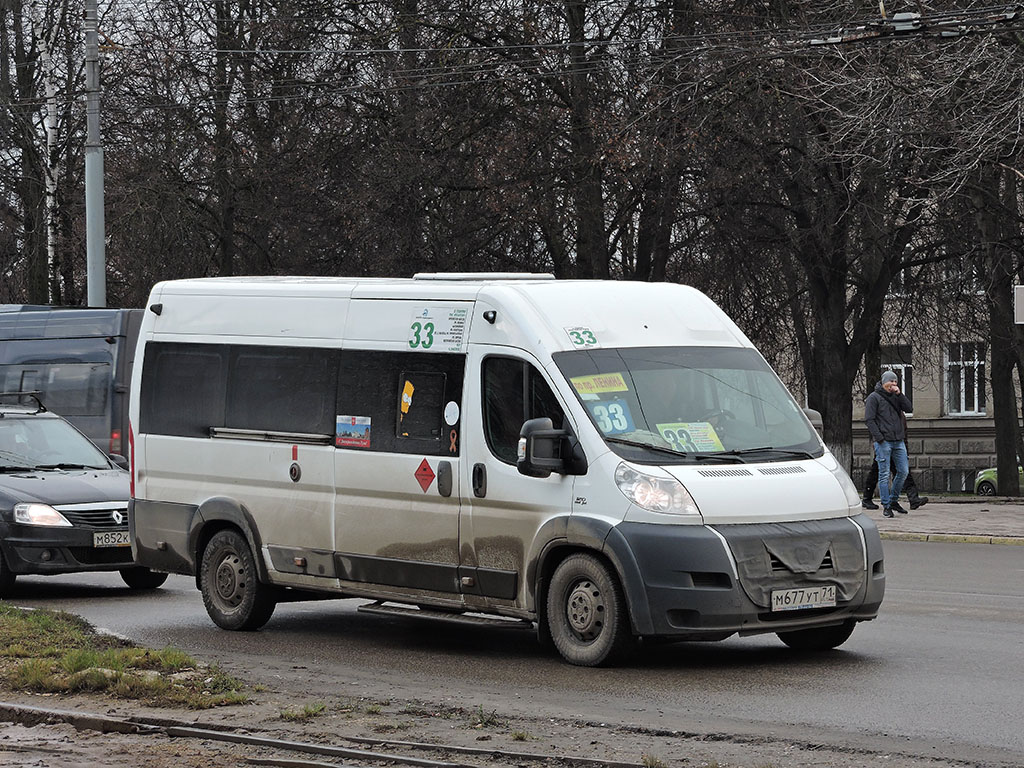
[{"x": 95, "y": 258}]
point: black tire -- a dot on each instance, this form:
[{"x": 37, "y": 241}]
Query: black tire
[
  {"x": 7, "y": 577},
  {"x": 819, "y": 638},
  {"x": 232, "y": 592},
  {"x": 985, "y": 488},
  {"x": 142, "y": 578},
  {"x": 586, "y": 612}
]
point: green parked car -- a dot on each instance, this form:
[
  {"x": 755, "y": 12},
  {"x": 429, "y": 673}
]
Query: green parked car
[{"x": 985, "y": 482}]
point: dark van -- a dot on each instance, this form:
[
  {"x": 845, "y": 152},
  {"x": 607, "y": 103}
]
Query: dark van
[{"x": 79, "y": 360}]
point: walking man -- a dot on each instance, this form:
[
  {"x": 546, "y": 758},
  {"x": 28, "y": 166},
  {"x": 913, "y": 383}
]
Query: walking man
[{"x": 883, "y": 412}]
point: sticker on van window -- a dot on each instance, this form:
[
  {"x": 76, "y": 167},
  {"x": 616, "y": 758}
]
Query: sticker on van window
[
  {"x": 611, "y": 416},
  {"x": 599, "y": 382},
  {"x": 438, "y": 328},
  {"x": 451, "y": 413},
  {"x": 688, "y": 436},
  {"x": 352, "y": 432},
  {"x": 581, "y": 337}
]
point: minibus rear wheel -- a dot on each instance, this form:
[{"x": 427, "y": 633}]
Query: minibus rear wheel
[
  {"x": 232, "y": 592},
  {"x": 586, "y": 612},
  {"x": 819, "y": 638}
]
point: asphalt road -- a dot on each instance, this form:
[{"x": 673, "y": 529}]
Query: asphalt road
[{"x": 939, "y": 674}]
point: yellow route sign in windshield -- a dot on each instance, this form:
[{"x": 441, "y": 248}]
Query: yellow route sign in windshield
[
  {"x": 599, "y": 383},
  {"x": 689, "y": 436}
]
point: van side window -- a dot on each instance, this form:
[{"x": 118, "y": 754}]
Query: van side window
[
  {"x": 399, "y": 398},
  {"x": 513, "y": 392},
  {"x": 188, "y": 388},
  {"x": 183, "y": 389},
  {"x": 282, "y": 389}
]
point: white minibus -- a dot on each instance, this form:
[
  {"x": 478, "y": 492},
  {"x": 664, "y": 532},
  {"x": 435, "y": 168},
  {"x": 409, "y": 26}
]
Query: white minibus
[{"x": 606, "y": 461}]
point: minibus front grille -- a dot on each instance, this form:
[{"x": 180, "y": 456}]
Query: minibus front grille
[
  {"x": 724, "y": 472},
  {"x": 779, "y": 567}
]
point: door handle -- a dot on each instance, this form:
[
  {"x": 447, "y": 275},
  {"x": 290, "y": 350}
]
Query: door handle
[
  {"x": 479, "y": 480},
  {"x": 444, "y": 478}
]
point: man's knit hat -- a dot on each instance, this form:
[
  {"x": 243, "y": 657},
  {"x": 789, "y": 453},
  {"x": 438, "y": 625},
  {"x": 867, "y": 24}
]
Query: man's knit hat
[{"x": 889, "y": 376}]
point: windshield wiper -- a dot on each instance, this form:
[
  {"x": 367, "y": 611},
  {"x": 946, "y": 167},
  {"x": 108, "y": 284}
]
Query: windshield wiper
[
  {"x": 638, "y": 444},
  {"x": 766, "y": 448},
  {"x": 67, "y": 466},
  {"x": 698, "y": 456},
  {"x": 15, "y": 467}
]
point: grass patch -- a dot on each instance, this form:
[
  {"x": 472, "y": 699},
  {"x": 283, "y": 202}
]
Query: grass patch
[
  {"x": 308, "y": 712},
  {"x": 650, "y": 761},
  {"x": 56, "y": 652},
  {"x": 481, "y": 719},
  {"x": 520, "y": 736}
]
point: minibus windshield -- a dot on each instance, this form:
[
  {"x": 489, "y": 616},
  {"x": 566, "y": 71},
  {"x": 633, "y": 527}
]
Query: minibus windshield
[{"x": 688, "y": 404}]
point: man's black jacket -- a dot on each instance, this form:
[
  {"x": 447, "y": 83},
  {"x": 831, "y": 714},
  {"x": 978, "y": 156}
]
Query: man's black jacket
[{"x": 882, "y": 414}]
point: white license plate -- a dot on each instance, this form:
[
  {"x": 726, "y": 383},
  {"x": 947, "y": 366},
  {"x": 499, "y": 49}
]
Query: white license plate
[
  {"x": 111, "y": 539},
  {"x": 808, "y": 597}
]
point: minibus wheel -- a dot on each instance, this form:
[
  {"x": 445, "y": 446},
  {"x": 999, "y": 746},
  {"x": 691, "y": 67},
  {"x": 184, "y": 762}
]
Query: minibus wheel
[
  {"x": 142, "y": 578},
  {"x": 232, "y": 592},
  {"x": 586, "y": 612},
  {"x": 818, "y": 638}
]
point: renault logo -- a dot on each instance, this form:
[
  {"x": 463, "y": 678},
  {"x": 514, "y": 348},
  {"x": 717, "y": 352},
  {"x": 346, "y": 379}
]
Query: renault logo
[{"x": 118, "y": 517}]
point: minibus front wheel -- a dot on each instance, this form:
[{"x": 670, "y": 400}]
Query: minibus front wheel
[
  {"x": 232, "y": 592},
  {"x": 818, "y": 638},
  {"x": 586, "y": 612}
]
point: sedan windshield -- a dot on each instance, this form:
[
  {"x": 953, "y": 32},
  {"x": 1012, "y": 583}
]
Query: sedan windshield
[
  {"x": 38, "y": 442},
  {"x": 697, "y": 402}
]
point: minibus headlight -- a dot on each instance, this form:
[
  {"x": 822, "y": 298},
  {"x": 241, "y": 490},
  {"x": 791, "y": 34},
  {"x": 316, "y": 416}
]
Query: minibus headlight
[
  {"x": 655, "y": 494},
  {"x": 852, "y": 494},
  {"x": 39, "y": 514}
]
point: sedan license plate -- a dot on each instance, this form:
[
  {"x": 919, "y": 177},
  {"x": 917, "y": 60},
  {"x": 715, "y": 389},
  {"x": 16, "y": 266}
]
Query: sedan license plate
[
  {"x": 808, "y": 597},
  {"x": 111, "y": 539}
]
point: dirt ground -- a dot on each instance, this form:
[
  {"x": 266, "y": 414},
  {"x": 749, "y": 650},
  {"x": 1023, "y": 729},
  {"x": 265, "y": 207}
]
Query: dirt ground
[{"x": 370, "y": 729}]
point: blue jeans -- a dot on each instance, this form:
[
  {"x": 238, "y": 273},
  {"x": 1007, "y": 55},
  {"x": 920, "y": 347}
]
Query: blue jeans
[{"x": 896, "y": 452}]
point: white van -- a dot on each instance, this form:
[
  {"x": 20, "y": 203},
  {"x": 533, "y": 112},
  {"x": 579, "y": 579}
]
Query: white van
[{"x": 606, "y": 460}]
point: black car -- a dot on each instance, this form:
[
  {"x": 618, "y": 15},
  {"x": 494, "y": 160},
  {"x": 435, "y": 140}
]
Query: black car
[{"x": 63, "y": 502}]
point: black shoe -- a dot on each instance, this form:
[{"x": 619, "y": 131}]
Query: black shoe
[
  {"x": 887, "y": 512},
  {"x": 868, "y": 504},
  {"x": 897, "y": 508},
  {"x": 919, "y": 501}
]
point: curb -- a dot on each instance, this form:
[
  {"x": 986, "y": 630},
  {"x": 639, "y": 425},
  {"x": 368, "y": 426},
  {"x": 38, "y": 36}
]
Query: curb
[{"x": 953, "y": 538}]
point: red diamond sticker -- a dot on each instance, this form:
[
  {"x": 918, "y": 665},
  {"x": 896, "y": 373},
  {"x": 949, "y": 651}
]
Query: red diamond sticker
[{"x": 424, "y": 475}]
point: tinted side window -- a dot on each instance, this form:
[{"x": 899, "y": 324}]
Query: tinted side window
[
  {"x": 513, "y": 392},
  {"x": 282, "y": 389},
  {"x": 396, "y": 401},
  {"x": 183, "y": 389}
]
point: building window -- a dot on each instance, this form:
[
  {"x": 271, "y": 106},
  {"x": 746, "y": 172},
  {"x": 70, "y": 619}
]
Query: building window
[
  {"x": 965, "y": 379},
  {"x": 897, "y": 360}
]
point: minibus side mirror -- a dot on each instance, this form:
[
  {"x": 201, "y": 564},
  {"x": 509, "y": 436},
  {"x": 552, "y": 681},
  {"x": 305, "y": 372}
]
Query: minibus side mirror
[
  {"x": 814, "y": 417},
  {"x": 543, "y": 450},
  {"x": 119, "y": 460}
]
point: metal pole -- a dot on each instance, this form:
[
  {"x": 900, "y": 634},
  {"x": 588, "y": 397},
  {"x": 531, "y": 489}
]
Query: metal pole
[{"x": 95, "y": 257}]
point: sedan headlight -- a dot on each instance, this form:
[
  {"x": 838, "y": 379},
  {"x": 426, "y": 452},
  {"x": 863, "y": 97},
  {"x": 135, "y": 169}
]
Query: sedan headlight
[
  {"x": 655, "y": 494},
  {"x": 39, "y": 514}
]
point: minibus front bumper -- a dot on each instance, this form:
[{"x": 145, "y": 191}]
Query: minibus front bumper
[{"x": 709, "y": 582}]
